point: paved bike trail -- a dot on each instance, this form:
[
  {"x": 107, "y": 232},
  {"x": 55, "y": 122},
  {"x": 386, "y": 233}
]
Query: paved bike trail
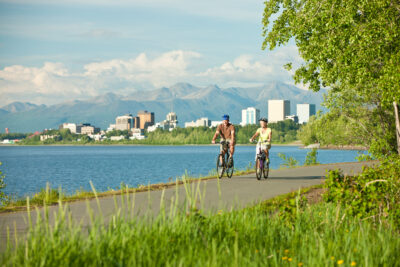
[{"x": 215, "y": 194}]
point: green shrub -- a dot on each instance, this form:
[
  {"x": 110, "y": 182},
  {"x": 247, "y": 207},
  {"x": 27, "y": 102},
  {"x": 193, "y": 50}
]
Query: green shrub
[
  {"x": 374, "y": 194},
  {"x": 288, "y": 161},
  {"x": 311, "y": 158}
]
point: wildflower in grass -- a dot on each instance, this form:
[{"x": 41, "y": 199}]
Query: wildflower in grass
[
  {"x": 332, "y": 258},
  {"x": 300, "y": 264},
  {"x": 284, "y": 258},
  {"x": 353, "y": 263},
  {"x": 289, "y": 259},
  {"x": 286, "y": 251},
  {"x": 256, "y": 250},
  {"x": 340, "y": 262}
]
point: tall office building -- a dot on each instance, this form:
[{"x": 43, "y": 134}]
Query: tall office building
[
  {"x": 250, "y": 115},
  {"x": 278, "y": 110},
  {"x": 146, "y": 119},
  {"x": 124, "y": 122},
  {"x": 71, "y": 126},
  {"x": 172, "y": 119},
  {"x": 305, "y": 111}
]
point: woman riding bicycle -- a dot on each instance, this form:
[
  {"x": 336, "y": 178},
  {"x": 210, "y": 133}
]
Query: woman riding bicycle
[{"x": 264, "y": 141}]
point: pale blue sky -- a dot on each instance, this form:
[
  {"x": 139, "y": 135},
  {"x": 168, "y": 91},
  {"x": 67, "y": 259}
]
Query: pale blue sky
[{"x": 53, "y": 51}]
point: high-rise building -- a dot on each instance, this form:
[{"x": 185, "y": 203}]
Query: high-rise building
[
  {"x": 250, "y": 115},
  {"x": 124, "y": 122},
  {"x": 71, "y": 126},
  {"x": 172, "y": 118},
  {"x": 146, "y": 119},
  {"x": 278, "y": 110},
  {"x": 305, "y": 111}
]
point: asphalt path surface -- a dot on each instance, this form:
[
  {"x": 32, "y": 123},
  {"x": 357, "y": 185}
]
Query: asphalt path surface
[{"x": 209, "y": 195}]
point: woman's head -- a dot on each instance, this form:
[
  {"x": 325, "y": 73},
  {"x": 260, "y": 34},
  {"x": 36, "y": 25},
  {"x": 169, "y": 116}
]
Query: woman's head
[{"x": 263, "y": 122}]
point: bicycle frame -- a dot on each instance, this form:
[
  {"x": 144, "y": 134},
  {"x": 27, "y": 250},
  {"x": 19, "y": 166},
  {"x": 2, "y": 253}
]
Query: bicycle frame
[
  {"x": 262, "y": 165},
  {"x": 261, "y": 157},
  {"x": 224, "y": 154}
]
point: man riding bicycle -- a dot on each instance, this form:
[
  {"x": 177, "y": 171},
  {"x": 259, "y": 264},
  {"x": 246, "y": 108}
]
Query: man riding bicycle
[
  {"x": 264, "y": 141},
  {"x": 227, "y": 132}
]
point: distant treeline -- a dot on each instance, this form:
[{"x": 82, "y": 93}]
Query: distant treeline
[
  {"x": 282, "y": 132},
  {"x": 12, "y": 136}
]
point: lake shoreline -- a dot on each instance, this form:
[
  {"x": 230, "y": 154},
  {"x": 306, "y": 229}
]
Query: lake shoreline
[{"x": 20, "y": 204}]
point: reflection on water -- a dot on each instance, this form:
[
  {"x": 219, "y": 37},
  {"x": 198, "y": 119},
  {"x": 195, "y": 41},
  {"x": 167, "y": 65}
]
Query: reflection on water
[{"x": 27, "y": 169}]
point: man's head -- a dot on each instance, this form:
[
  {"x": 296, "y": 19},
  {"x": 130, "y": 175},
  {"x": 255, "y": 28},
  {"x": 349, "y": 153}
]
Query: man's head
[{"x": 225, "y": 119}]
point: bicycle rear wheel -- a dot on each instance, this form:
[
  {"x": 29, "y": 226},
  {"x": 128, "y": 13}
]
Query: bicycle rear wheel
[
  {"x": 266, "y": 169},
  {"x": 229, "y": 168},
  {"x": 220, "y": 167},
  {"x": 258, "y": 169}
]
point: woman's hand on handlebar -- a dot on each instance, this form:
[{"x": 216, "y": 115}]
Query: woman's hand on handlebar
[{"x": 212, "y": 141}]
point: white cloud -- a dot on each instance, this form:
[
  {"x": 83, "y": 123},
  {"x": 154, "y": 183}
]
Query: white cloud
[
  {"x": 53, "y": 82},
  {"x": 141, "y": 71},
  {"x": 242, "y": 69}
]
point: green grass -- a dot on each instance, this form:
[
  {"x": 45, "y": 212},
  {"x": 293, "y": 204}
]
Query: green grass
[{"x": 316, "y": 235}]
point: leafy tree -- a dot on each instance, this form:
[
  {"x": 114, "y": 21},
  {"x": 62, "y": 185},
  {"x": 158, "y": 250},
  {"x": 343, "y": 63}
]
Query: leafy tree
[
  {"x": 353, "y": 47},
  {"x": 13, "y": 136},
  {"x": 118, "y": 133}
]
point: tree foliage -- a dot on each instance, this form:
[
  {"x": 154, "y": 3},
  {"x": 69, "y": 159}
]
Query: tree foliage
[{"x": 352, "y": 47}]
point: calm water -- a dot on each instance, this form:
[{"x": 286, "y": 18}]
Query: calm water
[{"x": 27, "y": 169}]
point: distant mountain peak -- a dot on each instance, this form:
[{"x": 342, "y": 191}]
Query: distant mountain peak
[
  {"x": 20, "y": 107},
  {"x": 106, "y": 98}
]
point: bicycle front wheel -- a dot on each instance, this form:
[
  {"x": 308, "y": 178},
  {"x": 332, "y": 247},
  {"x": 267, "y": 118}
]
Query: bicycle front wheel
[
  {"x": 258, "y": 169},
  {"x": 220, "y": 167},
  {"x": 229, "y": 168}
]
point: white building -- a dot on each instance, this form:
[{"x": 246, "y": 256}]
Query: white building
[
  {"x": 70, "y": 126},
  {"x": 250, "y": 115},
  {"x": 111, "y": 128},
  {"x": 124, "y": 122},
  {"x": 215, "y": 123},
  {"x": 158, "y": 125},
  {"x": 278, "y": 110},
  {"x": 169, "y": 124},
  {"x": 117, "y": 138},
  {"x": 172, "y": 118},
  {"x": 138, "y": 133},
  {"x": 305, "y": 111},
  {"x": 202, "y": 122},
  {"x": 97, "y": 137}
]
